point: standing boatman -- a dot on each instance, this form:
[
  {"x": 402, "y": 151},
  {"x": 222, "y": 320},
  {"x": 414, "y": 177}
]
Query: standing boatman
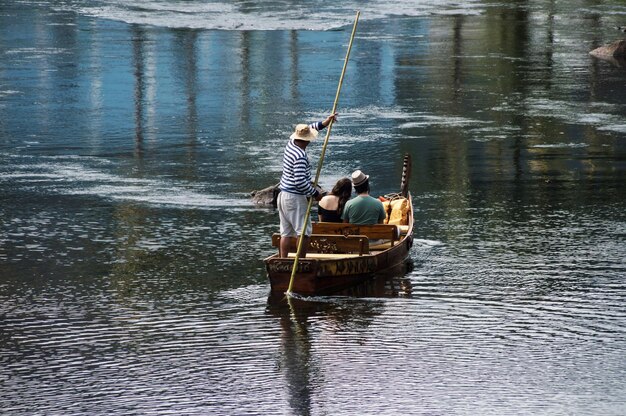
[{"x": 295, "y": 186}]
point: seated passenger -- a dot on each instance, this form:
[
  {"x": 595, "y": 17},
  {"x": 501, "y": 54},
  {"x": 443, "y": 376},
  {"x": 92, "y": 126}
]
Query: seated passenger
[
  {"x": 363, "y": 209},
  {"x": 331, "y": 206}
]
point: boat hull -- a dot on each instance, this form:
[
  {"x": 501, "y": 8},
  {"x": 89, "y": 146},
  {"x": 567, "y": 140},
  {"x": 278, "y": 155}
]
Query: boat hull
[{"x": 323, "y": 276}]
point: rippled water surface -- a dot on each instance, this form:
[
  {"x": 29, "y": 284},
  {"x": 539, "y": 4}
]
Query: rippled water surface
[{"x": 131, "y": 274}]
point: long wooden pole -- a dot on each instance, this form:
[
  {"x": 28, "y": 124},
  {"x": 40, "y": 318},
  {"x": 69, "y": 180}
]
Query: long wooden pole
[{"x": 321, "y": 161}]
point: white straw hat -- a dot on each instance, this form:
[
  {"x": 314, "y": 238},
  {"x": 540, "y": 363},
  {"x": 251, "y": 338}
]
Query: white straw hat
[
  {"x": 359, "y": 177},
  {"x": 304, "y": 132}
]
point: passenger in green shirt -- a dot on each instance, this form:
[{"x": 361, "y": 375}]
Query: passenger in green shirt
[{"x": 364, "y": 209}]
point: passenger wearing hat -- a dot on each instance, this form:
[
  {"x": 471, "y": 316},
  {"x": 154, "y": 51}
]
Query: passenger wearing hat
[
  {"x": 295, "y": 186},
  {"x": 364, "y": 209}
]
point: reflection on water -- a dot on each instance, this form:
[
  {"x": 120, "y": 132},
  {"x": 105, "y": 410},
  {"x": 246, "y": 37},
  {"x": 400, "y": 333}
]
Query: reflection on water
[
  {"x": 297, "y": 359},
  {"x": 131, "y": 278}
]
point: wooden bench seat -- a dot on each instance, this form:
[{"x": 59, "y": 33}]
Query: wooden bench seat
[
  {"x": 326, "y": 255},
  {"x": 333, "y": 244},
  {"x": 373, "y": 232},
  {"x": 380, "y": 246}
]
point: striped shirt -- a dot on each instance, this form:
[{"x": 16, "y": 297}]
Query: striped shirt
[{"x": 296, "y": 177}]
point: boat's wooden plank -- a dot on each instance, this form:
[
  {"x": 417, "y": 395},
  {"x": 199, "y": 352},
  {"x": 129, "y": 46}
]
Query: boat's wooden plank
[
  {"x": 374, "y": 232},
  {"x": 334, "y": 256},
  {"x": 380, "y": 247},
  {"x": 332, "y": 243}
]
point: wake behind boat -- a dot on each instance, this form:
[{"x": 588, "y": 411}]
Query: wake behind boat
[{"x": 341, "y": 255}]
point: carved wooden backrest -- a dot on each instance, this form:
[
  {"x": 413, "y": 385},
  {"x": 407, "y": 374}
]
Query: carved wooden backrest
[
  {"x": 335, "y": 244},
  {"x": 374, "y": 232}
]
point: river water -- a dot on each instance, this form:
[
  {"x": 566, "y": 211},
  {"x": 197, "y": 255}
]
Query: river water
[{"x": 131, "y": 274}]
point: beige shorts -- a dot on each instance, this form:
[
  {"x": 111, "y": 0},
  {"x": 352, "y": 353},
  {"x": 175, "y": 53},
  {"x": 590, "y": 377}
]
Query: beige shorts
[{"x": 292, "y": 210}]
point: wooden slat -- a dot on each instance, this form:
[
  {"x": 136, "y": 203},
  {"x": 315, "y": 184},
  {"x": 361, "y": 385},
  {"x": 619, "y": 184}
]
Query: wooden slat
[
  {"x": 332, "y": 243},
  {"x": 380, "y": 247},
  {"x": 374, "y": 232},
  {"x": 327, "y": 255}
]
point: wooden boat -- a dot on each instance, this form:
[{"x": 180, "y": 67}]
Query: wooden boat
[{"x": 342, "y": 255}]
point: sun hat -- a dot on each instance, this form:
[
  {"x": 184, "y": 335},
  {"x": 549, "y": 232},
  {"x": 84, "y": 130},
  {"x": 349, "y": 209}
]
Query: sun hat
[
  {"x": 304, "y": 132},
  {"x": 359, "y": 177}
]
